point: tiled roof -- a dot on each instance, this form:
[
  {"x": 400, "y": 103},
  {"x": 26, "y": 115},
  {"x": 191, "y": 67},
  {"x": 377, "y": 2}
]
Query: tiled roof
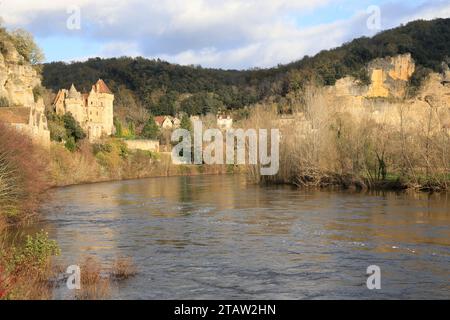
[
  {"x": 101, "y": 87},
  {"x": 160, "y": 120},
  {"x": 58, "y": 96},
  {"x": 15, "y": 115}
]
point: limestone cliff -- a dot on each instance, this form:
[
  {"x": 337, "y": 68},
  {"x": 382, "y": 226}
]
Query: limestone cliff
[
  {"x": 18, "y": 78},
  {"x": 390, "y": 76},
  {"x": 389, "y": 79}
]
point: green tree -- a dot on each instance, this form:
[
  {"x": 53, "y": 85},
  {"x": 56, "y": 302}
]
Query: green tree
[
  {"x": 27, "y": 47},
  {"x": 118, "y": 126},
  {"x": 4, "y": 102},
  {"x": 70, "y": 144},
  {"x": 73, "y": 128},
  {"x": 151, "y": 129},
  {"x": 186, "y": 123}
]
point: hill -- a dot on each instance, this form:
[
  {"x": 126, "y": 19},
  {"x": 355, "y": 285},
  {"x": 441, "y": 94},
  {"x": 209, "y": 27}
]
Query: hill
[{"x": 165, "y": 88}]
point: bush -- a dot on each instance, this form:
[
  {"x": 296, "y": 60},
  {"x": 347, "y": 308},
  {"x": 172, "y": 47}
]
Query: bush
[
  {"x": 151, "y": 129},
  {"x": 22, "y": 174},
  {"x": 37, "y": 251},
  {"x": 102, "y": 147},
  {"x": 38, "y": 92},
  {"x": 118, "y": 126},
  {"x": 4, "y": 102},
  {"x": 25, "y": 270},
  {"x": 26, "y": 47},
  {"x": 73, "y": 128},
  {"x": 71, "y": 144}
]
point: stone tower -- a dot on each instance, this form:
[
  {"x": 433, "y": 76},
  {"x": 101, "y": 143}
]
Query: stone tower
[{"x": 94, "y": 111}]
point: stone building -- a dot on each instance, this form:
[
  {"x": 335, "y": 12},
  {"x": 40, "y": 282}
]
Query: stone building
[
  {"x": 30, "y": 121},
  {"x": 94, "y": 110},
  {"x": 167, "y": 122},
  {"x": 224, "y": 122},
  {"x": 24, "y": 109}
]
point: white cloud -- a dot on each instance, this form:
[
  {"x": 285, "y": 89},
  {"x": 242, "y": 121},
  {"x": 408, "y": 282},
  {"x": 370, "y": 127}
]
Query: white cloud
[{"x": 214, "y": 33}]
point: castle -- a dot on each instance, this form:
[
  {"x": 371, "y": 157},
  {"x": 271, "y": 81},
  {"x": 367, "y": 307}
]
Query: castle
[{"x": 93, "y": 110}]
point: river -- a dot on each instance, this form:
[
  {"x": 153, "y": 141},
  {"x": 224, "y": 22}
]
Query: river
[{"x": 218, "y": 237}]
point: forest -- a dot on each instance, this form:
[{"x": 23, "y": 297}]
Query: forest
[{"x": 164, "y": 88}]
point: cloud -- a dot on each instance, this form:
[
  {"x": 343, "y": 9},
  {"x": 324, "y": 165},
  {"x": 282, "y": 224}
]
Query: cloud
[{"x": 213, "y": 33}]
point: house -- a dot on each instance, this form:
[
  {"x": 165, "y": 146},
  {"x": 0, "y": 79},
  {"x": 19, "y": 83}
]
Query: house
[
  {"x": 224, "y": 122},
  {"x": 176, "y": 123},
  {"x": 30, "y": 121},
  {"x": 164, "y": 122},
  {"x": 93, "y": 110}
]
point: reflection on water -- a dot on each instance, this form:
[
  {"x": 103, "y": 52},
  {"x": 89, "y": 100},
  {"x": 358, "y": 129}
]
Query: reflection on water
[{"x": 218, "y": 237}]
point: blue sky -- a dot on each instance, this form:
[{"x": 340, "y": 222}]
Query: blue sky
[{"x": 214, "y": 33}]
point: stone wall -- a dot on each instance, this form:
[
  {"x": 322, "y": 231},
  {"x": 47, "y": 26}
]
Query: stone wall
[{"x": 146, "y": 145}]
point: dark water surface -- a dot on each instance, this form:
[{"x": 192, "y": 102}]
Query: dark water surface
[{"x": 217, "y": 237}]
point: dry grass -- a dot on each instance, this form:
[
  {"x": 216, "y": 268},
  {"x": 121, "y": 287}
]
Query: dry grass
[
  {"x": 97, "y": 280},
  {"x": 123, "y": 268},
  {"x": 22, "y": 175},
  {"x": 94, "y": 285},
  {"x": 328, "y": 143}
]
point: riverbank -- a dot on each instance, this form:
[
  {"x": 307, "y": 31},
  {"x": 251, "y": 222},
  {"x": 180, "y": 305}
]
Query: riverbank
[
  {"x": 111, "y": 160},
  {"x": 325, "y": 144},
  {"x": 339, "y": 182},
  {"x": 27, "y": 171}
]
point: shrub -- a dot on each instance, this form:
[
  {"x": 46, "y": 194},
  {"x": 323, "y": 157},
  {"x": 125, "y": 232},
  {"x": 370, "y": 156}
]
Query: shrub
[
  {"x": 123, "y": 268},
  {"x": 4, "y": 102},
  {"x": 73, "y": 128},
  {"x": 71, "y": 144},
  {"x": 151, "y": 129},
  {"x": 27, "y": 48},
  {"x": 38, "y": 92},
  {"x": 36, "y": 252},
  {"x": 25, "y": 270},
  {"x": 118, "y": 126},
  {"x": 22, "y": 174}
]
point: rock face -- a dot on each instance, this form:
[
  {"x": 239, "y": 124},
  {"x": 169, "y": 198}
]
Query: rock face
[
  {"x": 389, "y": 79},
  {"x": 389, "y": 76},
  {"x": 17, "y": 81}
]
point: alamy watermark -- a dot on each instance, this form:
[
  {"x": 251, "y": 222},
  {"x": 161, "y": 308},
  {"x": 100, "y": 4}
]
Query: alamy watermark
[
  {"x": 73, "y": 22},
  {"x": 237, "y": 142},
  {"x": 74, "y": 280},
  {"x": 374, "y": 279},
  {"x": 374, "y": 20}
]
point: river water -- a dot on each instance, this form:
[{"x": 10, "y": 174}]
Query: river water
[{"x": 218, "y": 237}]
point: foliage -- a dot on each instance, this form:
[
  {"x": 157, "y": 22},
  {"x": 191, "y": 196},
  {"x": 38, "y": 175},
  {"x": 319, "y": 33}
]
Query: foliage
[
  {"x": 118, "y": 126},
  {"x": 201, "y": 103},
  {"x": 186, "y": 123},
  {"x": 26, "y": 46},
  {"x": 37, "y": 251},
  {"x": 38, "y": 92},
  {"x": 151, "y": 129},
  {"x": 4, "y": 102},
  {"x": 73, "y": 128},
  {"x": 22, "y": 175},
  {"x": 166, "y": 89},
  {"x": 70, "y": 144},
  {"x": 65, "y": 128}
]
